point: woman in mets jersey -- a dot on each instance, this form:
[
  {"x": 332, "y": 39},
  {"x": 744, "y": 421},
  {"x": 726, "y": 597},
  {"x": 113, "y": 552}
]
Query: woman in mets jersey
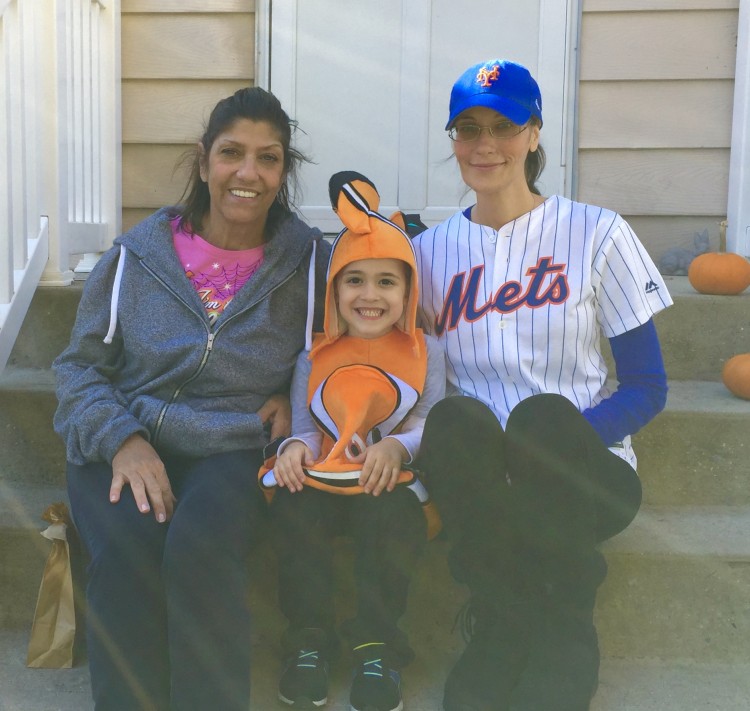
[{"x": 531, "y": 464}]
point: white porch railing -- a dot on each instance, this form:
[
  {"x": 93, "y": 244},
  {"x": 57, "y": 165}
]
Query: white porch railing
[{"x": 59, "y": 145}]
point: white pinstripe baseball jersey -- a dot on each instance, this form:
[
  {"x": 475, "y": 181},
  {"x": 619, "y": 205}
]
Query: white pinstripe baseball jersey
[{"x": 521, "y": 310}]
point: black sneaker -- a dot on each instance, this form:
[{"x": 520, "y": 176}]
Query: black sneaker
[
  {"x": 496, "y": 650},
  {"x": 304, "y": 681},
  {"x": 375, "y": 686}
]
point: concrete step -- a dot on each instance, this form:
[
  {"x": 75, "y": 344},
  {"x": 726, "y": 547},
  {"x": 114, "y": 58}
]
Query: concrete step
[
  {"x": 678, "y": 586},
  {"x": 46, "y": 329},
  {"x": 677, "y": 589},
  {"x": 673, "y": 615},
  {"x": 32, "y": 452},
  {"x": 698, "y": 334},
  {"x": 701, "y": 332},
  {"x": 643, "y": 685},
  {"x": 695, "y": 452}
]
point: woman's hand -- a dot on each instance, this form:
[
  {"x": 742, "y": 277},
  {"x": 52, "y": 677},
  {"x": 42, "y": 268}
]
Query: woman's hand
[
  {"x": 138, "y": 465},
  {"x": 381, "y": 465},
  {"x": 288, "y": 467},
  {"x": 278, "y": 412}
]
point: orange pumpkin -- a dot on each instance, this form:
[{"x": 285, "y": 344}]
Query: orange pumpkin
[
  {"x": 719, "y": 273},
  {"x": 736, "y": 375}
]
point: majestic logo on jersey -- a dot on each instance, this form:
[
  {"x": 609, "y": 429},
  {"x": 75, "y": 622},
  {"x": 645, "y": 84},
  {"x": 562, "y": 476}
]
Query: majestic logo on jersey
[
  {"x": 651, "y": 287},
  {"x": 461, "y": 299},
  {"x": 485, "y": 77}
]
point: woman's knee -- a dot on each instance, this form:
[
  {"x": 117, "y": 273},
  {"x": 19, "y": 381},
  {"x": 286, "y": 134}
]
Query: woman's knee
[
  {"x": 458, "y": 411},
  {"x": 461, "y": 436},
  {"x": 545, "y": 411}
]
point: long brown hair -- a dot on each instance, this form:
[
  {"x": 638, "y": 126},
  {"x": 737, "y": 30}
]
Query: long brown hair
[{"x": 535, "y": 162}]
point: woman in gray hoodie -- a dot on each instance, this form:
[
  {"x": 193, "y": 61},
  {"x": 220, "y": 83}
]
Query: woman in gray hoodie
[{"x": 174, "y": 380}]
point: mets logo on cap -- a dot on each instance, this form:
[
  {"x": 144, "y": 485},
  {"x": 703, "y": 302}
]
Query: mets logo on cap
[{"x": 486, "y": 76}]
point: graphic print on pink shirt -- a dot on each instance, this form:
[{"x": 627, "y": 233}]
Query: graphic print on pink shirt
[{"x": 216, "y": 274}]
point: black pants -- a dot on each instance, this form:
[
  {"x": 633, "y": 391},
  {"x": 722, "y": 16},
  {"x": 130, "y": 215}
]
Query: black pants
[
  {"x": 168, "y": 616},
  {"x": 524, "y": 509},
  {"x": 535, "y": 476},
  {"x": 389, "y": 533}
]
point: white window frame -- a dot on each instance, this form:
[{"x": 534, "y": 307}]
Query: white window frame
[
  {"x": 566, "y": 141},
  {"x": 738, "y": 203},
  {"x": 557, "y": 67}
]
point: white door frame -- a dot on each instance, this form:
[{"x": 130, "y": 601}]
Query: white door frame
[
  {"x": 558, "y": 67},
  {"x": 738, "y": 203},
  {"x": 557, "y": 72}
]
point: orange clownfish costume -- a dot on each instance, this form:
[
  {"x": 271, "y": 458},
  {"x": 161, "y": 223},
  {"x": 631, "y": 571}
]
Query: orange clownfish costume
[{"x": 362, "y": 389}]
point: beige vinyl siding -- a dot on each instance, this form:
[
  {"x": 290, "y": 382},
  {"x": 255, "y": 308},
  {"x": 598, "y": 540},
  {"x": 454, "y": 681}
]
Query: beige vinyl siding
[
  {"x": 655, "y": 114},
  {"x": 638, "y": 5},
  {"x": 179, "y": 57},
  {"x": 677, "y": 114}
]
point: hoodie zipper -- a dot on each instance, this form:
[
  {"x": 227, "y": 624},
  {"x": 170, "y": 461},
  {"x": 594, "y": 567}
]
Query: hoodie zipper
[{"x": 211, "y": 337}]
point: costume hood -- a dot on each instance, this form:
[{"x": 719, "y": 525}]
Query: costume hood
[{"x": 366, "y": 235}]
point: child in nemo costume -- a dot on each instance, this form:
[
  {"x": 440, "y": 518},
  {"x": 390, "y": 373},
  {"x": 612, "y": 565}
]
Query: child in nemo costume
[{"x": 359, "y": 400}]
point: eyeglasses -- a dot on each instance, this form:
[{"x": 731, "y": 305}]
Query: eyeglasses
[{"x": 466, "y": 132}]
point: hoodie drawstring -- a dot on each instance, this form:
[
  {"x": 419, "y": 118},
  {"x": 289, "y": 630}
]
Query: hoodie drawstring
[
  {"x": 115, "y": 297},
  {"x": 310, "y": 298}
]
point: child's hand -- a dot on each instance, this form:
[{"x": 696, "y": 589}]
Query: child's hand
[
  {"x": 382, "y": 465},
  {"x": 288, "y": 467}
]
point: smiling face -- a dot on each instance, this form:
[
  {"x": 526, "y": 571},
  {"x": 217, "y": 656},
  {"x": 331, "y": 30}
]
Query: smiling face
[
  {"x": 489, "y": 164},
  {"x": 244, "y": 171},
  {"x": 371, "y": 296}
]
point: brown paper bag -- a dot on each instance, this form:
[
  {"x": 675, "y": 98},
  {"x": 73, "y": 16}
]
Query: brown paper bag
[{"x": 54, "y": 640}]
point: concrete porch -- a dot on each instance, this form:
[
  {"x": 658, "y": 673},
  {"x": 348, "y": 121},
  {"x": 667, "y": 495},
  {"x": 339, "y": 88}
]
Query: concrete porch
[{"x": 673, "y": 615}]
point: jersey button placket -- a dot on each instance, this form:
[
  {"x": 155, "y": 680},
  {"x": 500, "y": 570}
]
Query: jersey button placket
[
  {"x": 499, "y": 321},
  {"x": 489, "y": 236}
]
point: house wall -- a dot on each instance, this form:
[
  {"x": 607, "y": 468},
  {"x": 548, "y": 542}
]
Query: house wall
[
  {"x": 655, "y": 114},
  {"x": 655, "y": 104},
  {"x": 178, "y": 60}
]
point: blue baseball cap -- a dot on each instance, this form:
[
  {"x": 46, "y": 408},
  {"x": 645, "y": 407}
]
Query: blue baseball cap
[{"x": 499, "y": 84}]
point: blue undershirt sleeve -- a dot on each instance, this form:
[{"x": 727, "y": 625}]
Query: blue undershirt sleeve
[{"x": 642, "y": 390}]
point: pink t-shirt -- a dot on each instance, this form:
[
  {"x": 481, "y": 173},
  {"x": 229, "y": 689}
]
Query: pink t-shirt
[{"x": 216, "y": 274}]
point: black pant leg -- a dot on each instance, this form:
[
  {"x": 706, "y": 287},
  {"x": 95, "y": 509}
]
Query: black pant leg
[
  {"x": 390, "y": 532},
  {"x": 571, "y": 490},
  {"x": 464, "y": 459},
  {"x": 304, "y": 523},
  {"x": 128, "y": 650},
  {"x": 462, "y": 456},
  {"x": 219, "y": 519}
]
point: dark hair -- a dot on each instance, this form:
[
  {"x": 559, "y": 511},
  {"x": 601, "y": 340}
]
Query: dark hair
[
  {"x": 252, "y": 103},
  {"x": 535, "y": 162}
]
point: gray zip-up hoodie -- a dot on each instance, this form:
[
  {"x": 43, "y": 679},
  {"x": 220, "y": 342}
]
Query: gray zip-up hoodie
[{"x": 190, "y": 388}]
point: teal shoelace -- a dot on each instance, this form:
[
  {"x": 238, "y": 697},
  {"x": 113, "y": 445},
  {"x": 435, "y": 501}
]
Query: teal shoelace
[
  {"x": 308, "y": 659},
  {"x": 373, "y": 667}
]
